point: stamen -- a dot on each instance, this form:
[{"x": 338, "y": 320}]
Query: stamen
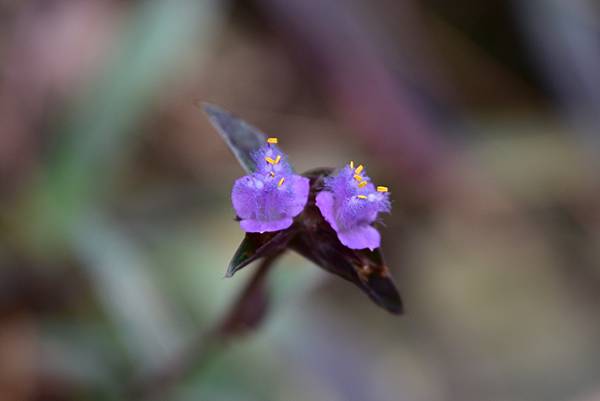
[
  {"x": 382, "y": 189},
  {"x": 277, "y": 159},
  {"x": 361, "y": 196},
  {"x": 358, "y": 177},
  {"x": 269, "y": 160},
  {"x": 272, "y": 174},
  {"x": 352, "y": 164},
  {"x": 272, "y": 140},
  {"x": 359, "y": 169},
  {"x": 281, "y": 181},
  {"x": 362, "y": 184}
]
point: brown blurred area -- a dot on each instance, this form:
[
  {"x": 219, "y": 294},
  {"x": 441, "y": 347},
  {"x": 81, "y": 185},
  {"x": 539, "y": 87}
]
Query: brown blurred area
[{"x": 116, "y": 226}]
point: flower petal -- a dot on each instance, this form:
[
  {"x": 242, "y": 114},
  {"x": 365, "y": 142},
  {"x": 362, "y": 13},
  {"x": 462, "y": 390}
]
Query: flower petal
[
  {"x": 360, "y": 237},
  {"x": 299, "y": 187},
  {"x": 325, "y": 203},
  {"x": 243, "y": 196},
  {"x": 259, "y": 226}
]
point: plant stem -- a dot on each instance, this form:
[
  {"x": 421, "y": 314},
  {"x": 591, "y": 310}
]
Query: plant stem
[{"x": 245, "y": 314}]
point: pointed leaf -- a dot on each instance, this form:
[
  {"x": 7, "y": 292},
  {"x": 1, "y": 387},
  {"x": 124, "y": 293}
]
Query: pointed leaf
[
  {"x": 242, "y": 138},
  {"x": 255, "y": 246},
  {"x": 376, "y": 279},
  {"x": 355, "y": 266},
  {"x": 318, "y": 242}
]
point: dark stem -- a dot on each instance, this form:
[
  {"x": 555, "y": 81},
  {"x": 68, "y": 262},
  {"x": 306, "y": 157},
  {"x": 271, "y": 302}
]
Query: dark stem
[{"x": 244, "y": 314}]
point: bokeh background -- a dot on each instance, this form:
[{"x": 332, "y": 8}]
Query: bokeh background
[{"x": 483, "y": 117}]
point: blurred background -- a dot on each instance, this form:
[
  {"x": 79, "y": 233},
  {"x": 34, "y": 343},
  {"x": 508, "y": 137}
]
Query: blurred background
[{"x": 116, "y": 227}]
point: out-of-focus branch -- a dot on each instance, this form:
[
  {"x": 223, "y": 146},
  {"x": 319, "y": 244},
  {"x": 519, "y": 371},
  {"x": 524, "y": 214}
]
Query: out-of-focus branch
[
  {"x": 245, "y": 314},
  {"x": 329, "y": 38},
  {"x": 563, "y": 37}
]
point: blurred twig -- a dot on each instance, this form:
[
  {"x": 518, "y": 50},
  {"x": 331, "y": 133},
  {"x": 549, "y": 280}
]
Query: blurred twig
[
  {"x": 331, "y": 40},
  {"x": 563, "y": 37},
  {"x": 245, "y": 314}
]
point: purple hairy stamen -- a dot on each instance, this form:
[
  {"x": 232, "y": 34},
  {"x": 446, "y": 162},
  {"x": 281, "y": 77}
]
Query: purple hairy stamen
[
  {"x": 269, "y": 199},
  {"x": 350, "y": 203}
]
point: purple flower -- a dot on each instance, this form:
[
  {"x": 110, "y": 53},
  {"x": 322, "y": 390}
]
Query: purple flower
[
  {"x": 350, "y": 203},
  {"x": 269, "y": 198}
]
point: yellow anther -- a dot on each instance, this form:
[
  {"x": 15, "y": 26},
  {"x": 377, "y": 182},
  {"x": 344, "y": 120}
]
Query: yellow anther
[
  {"x": 352, "y": 164},
  {"x": 359, "y": 169},
  {"x": 277, "y": 159},
  {"x": 358, "y": 177},
  {"x": 272, "y": 174},
  {"x": 361, "y": 196},
  {"x": 382, "y": 189},
  {"x": 269, "y": 160},
  {"x": 272, "y": 140},
  {"x": 362, "y": 184},
  {"x": 280, "y": 183}
]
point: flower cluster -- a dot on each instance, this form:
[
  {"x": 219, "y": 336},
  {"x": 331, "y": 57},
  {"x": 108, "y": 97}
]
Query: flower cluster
[
  {"x": 350, "y": 203},
  {"x": 268, "y": 199}
]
